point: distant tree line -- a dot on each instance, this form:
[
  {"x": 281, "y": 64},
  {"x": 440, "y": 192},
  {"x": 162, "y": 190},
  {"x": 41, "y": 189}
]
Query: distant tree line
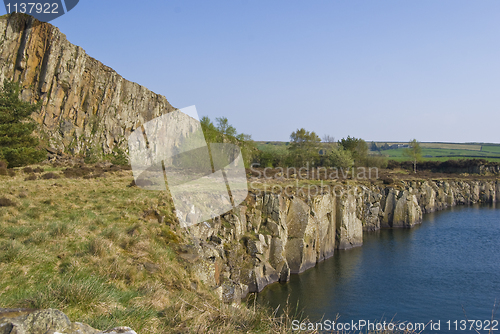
[{"x": 306, "y": 149}]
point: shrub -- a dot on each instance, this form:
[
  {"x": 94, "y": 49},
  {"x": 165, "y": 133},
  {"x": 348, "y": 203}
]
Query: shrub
[
  {"x": 6, "y": 202},
  {"x": 17, "y": 145},
  {"x": 393, "y": 164},
  {"x": 387, "y": 180},
  {"x": 76, "y": 172},
  {"x": 376, "y": 161},
  {"x": 49, "y": 176},
  {"x": 92, "y": 155},
  {"x": 38, "y": 170},
  {"x": 11, "y": 172},
  {"x": 31, "y": 177},
  {"x": 28, "y": 170},
  {"x": 119, "y": 157},
  {"x": 340, "y": 158}
]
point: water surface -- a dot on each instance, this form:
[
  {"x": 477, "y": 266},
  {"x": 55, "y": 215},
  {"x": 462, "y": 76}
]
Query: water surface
[{"x": 435, "y": 271}]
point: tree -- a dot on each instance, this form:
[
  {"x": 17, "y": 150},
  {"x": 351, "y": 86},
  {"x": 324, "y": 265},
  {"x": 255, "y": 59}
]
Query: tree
[
  {"x": 17, "y": 144},
  {"x": 209, "y": 130},
  {"x": 224, "y": 128},
  {"x": 340, "y": 158},
  {"x": 414, "y": 151},
  {"x": 226, "y": 133},
  {"x": 357, "y": 147},
  {"x": 304, "y": 147},
  {"x": 328, "y": 139}
]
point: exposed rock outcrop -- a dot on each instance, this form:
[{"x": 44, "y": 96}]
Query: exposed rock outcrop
[
  {"x": 50, "y": 321},
  {"x": 85, "y": 104},
  {"x": 272, "y": 235}
]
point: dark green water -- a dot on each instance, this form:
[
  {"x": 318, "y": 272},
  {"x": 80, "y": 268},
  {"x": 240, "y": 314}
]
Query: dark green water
[{"x": 435, "y": 271}]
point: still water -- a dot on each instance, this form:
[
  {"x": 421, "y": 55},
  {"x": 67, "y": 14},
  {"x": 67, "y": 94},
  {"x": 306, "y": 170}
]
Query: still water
[{"x": 437, "y": 270}]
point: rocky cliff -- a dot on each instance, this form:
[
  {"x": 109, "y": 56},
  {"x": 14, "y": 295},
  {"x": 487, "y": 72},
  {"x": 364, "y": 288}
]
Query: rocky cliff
[
  {"x": 273, "y": 235},
  {"x": 85, "y": 104}
]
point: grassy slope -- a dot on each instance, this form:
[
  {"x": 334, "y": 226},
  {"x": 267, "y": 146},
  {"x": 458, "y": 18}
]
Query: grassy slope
[{"x": 89, "y": 248}]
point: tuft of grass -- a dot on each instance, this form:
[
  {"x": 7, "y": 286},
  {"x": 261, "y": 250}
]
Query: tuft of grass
[
  {"x": 57, "y": 229},
  {"x": 10, "y": 251},
  {"x": 112, "y": 233},
  {"x": 97, "y": 247}
]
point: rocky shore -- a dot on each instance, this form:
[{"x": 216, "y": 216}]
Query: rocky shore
[{"x": 271, "y": 236}]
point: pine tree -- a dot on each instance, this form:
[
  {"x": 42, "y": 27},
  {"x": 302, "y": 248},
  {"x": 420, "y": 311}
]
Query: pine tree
[{"x": 17, "y": 144}]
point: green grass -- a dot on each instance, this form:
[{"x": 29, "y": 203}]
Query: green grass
[
  {"x": 491, "y": 148},
  {"x": 82, "y": 245},
  {"x": 443, "y": 152}
]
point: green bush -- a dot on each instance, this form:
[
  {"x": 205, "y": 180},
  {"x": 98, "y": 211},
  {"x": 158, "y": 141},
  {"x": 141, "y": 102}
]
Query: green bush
[
  {"x": 119, "y": 157},
  {"x": 92, "y": 156},
  {"x": 17, "y": 145},
  {"x": 376, "y": 161},
  {"x": 340, "y": 158}
]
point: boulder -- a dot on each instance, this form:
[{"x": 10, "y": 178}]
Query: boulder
[{"x": 49, "y": 321}]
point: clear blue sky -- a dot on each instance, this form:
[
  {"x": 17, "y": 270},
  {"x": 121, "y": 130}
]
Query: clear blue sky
[{"x": 380, "y": 70}]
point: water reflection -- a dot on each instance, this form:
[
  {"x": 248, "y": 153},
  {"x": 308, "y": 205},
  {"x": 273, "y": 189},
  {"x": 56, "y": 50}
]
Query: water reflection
[{"x": 426, "y": 273}]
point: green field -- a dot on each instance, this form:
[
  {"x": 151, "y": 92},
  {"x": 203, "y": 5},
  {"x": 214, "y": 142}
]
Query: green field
[
  {"x": 430, "y": 151},
  {"x": 447, "y": 151}
]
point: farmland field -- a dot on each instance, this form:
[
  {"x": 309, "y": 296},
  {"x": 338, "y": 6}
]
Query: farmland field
[
  {"x": 430, "y": 151},
  {"x": 447, "y": 151}
]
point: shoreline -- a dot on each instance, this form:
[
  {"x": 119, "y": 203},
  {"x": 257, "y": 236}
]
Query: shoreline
[{"x": 276, "y": 235}]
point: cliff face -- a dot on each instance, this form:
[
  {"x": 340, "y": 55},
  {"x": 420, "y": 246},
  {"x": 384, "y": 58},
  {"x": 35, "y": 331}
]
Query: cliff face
[
  {"x": 273, "y": 235},
  {"x": 85, "y": 104}
]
